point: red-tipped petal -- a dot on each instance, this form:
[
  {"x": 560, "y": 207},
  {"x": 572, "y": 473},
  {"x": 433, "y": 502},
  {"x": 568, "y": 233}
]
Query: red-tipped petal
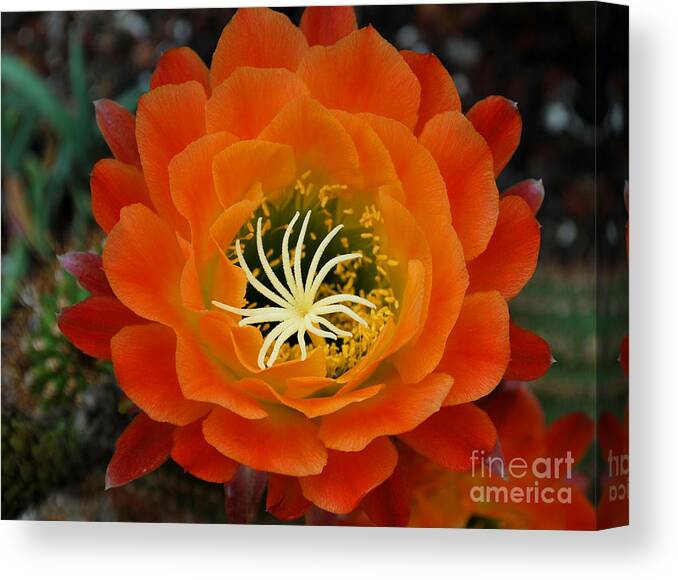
[
  {"x": 531, "y": 190},
  {"x": 389, "y": 504},
  {"x": 284, "y": 498},
  {"x": 326, "y": 25},
  {"x": 199, "y": 458},
  {"x": 510, "y": 258},
  {"x": 88, "y": 269},
  {"x": 91, "y": 324},
  {"x": 179, "y": 65},
  {"x": 117, "y": 125},
  {"x": 571, "y": 433},
  {"x": 451, "y": 436},
  {"x": 143, "y": 447},
  {"x": 497, "y": 119},
  {"x": 530, "y": 355}
]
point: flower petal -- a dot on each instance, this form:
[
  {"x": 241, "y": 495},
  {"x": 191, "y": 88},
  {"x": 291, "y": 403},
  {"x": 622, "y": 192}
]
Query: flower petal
[
  {"x": 477, "y": 351},
  {"x": 250, "y": 98},
  {"x": 162, "y": 133},
  {"x": 286, "y": 441},
  {"x": 319, "y": 141},
  {"x": 144, "y": 263},
  {"x": 363, "y": 73},
  {"x": 246, "y": 163},
  {"x": 438, "y": 91},
  {"x": 511, "y": 256},
  {"x": 143, "y": 360},
  {"x": 257, "y": 37},
  {"x": 91, "y": 324},
  {"x": 450, "y": 437},
  {"x": 284, "y": 498},
  {"x": 325, "y": 25},
  {"x": 571, "y": 433},
  {"x": 348, "y": 477},
  {"x": 203, "y": 378},
  {"x": 388, "y": 505},
  {"x": 398, "y": 408},
  {"x": 199, "y": 458},
  {"x": 87, "y": 267},
  {"x": 519, "y": 419},
  {"x": 465, "y": 162},
  {"x": 497, "y": 119},
  {"x": 531, "y": 190},
  {"x": 180, "y": 65},
  {"x": 115, "y": 185},
  {"x": 530, "y": 355},
  {"x": 117, "y": 125},
  {"x": 143, "y": 447},
  {"x": 426, "y": 199}
]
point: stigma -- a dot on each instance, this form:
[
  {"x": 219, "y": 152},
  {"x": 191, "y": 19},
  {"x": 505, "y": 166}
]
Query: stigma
[{"x": 296, "y": 310}]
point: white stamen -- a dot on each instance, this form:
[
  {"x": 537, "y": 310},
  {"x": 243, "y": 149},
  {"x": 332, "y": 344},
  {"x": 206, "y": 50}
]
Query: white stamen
[{"x": 296, "y": 310}]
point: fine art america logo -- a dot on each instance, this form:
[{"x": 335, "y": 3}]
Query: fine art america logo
[{"x": 539, "y": 480}]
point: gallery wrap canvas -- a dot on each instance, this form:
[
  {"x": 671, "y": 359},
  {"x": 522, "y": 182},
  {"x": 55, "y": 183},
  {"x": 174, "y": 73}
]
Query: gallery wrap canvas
[{"x": 331, "y": 266}]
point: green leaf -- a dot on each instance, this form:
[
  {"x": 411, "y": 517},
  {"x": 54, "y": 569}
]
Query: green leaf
[
  {"x": 14, "y": 267},
  {"x": 38, "y": 97}
]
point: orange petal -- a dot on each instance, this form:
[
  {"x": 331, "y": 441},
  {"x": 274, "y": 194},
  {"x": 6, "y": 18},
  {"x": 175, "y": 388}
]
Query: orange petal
[
  {"x": 91, "y": 324},
  {"x": 530, "y": 355},
  {"x": 450, "y": 437},
  {"x": 477, "y": 351},
  {"x": 199, "y": 458},
  {"x": 284, "y": 498},
  {"x": 363, "y": 73},
  {"x": 531, "y": 190},
  {"x": 319, "y": 141},
  {"x": 285, "y": 442},
  {"x": 257, "y": 37},
  {"x": 248, "y": 100},
  {"x": 497, "y": 119},
  {"x": 321, "y": 406},
  {"x": 511, "y": 256},
  {"x": 519, "y": 420},
  {"x": 398, "y": 408},
  {"x": 465, "y": 162},
  {"x": 143, "y": 360},
  {"x": 203, "y": 378},
  {"x": 571, "y": 433},
  {"x": 143, "y": 263},
  {"x": 243, "y": 164},
  {"x": 348, "y": 477},
  {"x": 438, "y": 92},
  {"x": 115, "y": 185},
  {"x": 426, "y": 199},
  {"x": 168, "y": 119},
  {"x": 143, "y": 447},
  {"x": 325, "y": 25},
  {"x": 117, "y": 125},
  {"x": 376, "y": 166},
  {"x": 180, "y": 65}
]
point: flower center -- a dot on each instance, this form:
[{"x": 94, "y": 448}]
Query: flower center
[{"x": 331, "y": 287}]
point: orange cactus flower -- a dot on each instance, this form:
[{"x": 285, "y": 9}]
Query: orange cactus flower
[
  {"x": 308, "y": 262},
  {"x": 532, "y": 484}
]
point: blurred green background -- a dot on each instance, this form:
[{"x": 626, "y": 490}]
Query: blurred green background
[{"x": 61, "y": 411}]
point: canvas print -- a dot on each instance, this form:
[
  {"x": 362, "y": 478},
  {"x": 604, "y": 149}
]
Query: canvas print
[{"x": 360, "y": 266}]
